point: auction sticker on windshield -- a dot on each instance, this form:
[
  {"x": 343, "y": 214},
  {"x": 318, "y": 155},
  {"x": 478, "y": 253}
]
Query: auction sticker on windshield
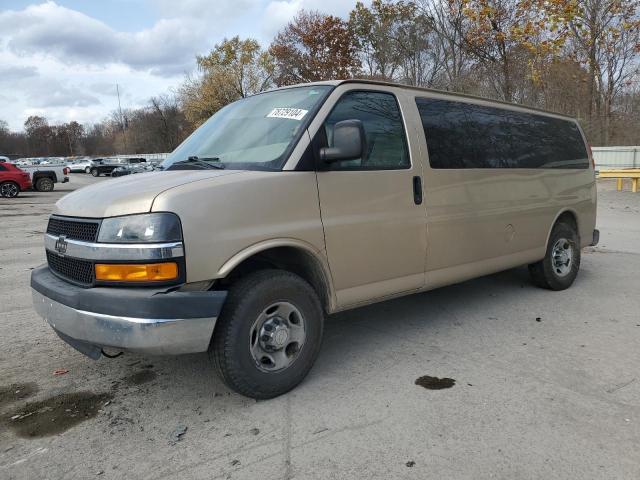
[{"x": 291, "y": 113}]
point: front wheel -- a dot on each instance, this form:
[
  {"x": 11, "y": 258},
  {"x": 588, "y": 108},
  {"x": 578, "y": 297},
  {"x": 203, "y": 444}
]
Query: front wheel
[
  {"x": 559, "y": 267},
  {"x": 9, "y": 189},
  {"x": 268, "y": 335},
  {"x": 87, "y": 170},
  {"x": 94, "y": 172}
]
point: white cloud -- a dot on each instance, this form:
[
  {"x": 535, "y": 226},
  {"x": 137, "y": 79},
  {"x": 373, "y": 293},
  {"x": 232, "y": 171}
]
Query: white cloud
[
  {"x": 72, "y": 37},
  {"x": 11, "y": 73},
  {"x": 45, "y": 93}
]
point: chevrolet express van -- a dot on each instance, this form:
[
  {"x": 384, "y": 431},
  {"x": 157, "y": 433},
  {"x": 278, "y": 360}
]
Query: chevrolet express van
[{"x": 308, "y": 200}]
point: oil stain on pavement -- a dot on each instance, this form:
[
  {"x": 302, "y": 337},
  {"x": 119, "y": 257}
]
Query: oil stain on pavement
[
  {"x": 56, "y": 414},
  {"x": 435, "y": 383}
]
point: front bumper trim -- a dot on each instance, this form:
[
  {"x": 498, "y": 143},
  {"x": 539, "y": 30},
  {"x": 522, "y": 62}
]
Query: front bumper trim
[{"x": 146, "y": 335}]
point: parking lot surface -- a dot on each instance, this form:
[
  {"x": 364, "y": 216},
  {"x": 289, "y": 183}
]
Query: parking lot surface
[{"x": 543, "y": 384}]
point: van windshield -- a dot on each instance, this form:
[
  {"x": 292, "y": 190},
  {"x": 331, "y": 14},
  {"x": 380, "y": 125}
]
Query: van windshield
[{"x": 255, "y": 133}]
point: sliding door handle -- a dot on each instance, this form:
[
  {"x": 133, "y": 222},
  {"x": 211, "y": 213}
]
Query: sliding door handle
[{"x": 417, "y": 190}]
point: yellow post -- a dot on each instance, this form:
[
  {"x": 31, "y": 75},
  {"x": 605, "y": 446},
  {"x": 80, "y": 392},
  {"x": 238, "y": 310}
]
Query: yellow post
[
  {"x": 619, "y": 184},
  {"x": 634, "y": 185}
]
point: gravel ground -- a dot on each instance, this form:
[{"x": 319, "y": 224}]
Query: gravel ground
[{"x": 537, "y": 384}]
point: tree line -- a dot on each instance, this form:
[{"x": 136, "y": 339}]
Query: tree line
[
  {"x": 577, "y": 57},
  {"x": 157, "y": 127}
]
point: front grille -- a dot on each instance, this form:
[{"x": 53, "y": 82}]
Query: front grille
[
  {"x": 76, "y": 270},
  {"x": 83, "y": 230}
]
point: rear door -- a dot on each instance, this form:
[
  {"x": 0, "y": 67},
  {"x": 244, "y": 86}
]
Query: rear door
[{"x": 374, "y": 225}]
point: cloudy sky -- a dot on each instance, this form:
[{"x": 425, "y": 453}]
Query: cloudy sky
[{"x": 63, "y": 59}]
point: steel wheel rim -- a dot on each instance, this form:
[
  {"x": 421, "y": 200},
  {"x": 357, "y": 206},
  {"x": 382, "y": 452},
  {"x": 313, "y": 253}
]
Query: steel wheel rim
[
  {"x": 8, "y": 190},
  {"x": 562, "y": 257},
  {"x": 277, "y": 336}
]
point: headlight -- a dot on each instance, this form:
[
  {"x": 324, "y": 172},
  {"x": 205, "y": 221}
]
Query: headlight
[{"x": 146, "y": 228}]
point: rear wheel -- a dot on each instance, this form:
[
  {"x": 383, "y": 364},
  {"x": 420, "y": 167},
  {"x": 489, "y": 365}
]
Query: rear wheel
[
  {"x": 87, "y": 170},
  {"x": 94, "y": 172},
  {"x": 9, "y": 189},
  {"x": 44, "y": 184},
  {"x": 559, "y": 267},
  {"x": 268, "y": 335}
]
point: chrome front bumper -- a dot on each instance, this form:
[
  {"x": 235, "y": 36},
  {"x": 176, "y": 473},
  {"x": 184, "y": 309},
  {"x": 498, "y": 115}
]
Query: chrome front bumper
[{"x": 153, "y": 321}]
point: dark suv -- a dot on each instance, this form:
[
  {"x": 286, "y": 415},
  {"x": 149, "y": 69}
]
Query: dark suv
[{"x": 109, "y": 165}]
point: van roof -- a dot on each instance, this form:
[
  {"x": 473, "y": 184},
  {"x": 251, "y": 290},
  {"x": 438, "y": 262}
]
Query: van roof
[{"x": 335, "y": 83}]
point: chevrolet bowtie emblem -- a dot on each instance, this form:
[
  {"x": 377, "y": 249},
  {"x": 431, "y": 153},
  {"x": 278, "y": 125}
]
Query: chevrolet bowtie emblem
[{"x": 61, "y": 245}]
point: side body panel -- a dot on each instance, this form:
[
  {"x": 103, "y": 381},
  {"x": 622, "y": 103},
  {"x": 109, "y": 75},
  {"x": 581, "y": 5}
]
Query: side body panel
[{"x": 483, "y": 220}]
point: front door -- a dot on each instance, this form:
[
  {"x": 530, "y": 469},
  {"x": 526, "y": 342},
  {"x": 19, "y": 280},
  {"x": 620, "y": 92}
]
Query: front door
[{"x": 373, "y": 217}]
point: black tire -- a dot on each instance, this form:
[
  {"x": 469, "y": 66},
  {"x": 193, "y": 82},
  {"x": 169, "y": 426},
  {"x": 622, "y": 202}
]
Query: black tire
[
  {"x": 87, "y": 170},
  {"x": 94, "y": 172},
  {"x": 230, "y": 348},
  {"x": 544, "y": 273},
  {"x": 44, "y": 184},
  {"x": 9, "y": 189}
]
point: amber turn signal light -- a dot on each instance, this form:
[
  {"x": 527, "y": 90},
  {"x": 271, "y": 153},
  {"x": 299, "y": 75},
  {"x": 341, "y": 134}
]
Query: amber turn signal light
[{"x": 146, "y": 272}]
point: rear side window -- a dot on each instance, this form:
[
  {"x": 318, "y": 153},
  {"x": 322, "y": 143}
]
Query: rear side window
[
  {"x": 386, "y": 146},
  {"x": 464, "y": 135},
  {"x": 2, "y": 168}
]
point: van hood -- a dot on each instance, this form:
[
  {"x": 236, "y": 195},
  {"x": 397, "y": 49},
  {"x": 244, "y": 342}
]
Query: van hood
[{"x": 131, "y": 194}]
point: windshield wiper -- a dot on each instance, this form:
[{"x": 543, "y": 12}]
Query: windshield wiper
[{"x": 197, "y": 163}]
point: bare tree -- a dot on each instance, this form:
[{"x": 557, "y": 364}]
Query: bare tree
[
  {"x": 448, "y": 24},
  {"x": 606, "y": 38}
]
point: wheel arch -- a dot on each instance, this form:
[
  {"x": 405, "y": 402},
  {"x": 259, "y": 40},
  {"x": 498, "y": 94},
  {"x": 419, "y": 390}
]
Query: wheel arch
[
  {"x": 565, "y": 214},
  {"x": 293, "y": 255},
  {"x": 45, "y": 174}
]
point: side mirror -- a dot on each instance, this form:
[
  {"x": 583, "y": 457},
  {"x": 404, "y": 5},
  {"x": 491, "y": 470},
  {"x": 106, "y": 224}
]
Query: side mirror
[{"x": 348, "y": 142}]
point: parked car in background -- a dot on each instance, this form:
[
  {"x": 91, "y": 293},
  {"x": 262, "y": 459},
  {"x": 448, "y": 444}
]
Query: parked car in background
[
  {"x": 108, "y": 165},
  {"x": 53, "y": 161},
  {"x": 4, "y": 159},
  {"x": 133, "y": 168},
  {"x": 81, "y": 166},
  {"x": 44, "y": 176},
  {"x": 13, "y": 180}
]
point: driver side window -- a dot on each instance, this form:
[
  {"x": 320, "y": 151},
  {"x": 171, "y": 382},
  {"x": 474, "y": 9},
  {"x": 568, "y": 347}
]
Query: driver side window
[{"x": 386, "y": 145}]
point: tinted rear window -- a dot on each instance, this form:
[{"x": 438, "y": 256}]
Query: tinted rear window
[{"x": 464, "y": 135}]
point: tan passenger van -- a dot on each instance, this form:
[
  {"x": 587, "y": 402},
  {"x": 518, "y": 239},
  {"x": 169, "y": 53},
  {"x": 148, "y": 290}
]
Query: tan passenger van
[{"x": 308, "y": 200}]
